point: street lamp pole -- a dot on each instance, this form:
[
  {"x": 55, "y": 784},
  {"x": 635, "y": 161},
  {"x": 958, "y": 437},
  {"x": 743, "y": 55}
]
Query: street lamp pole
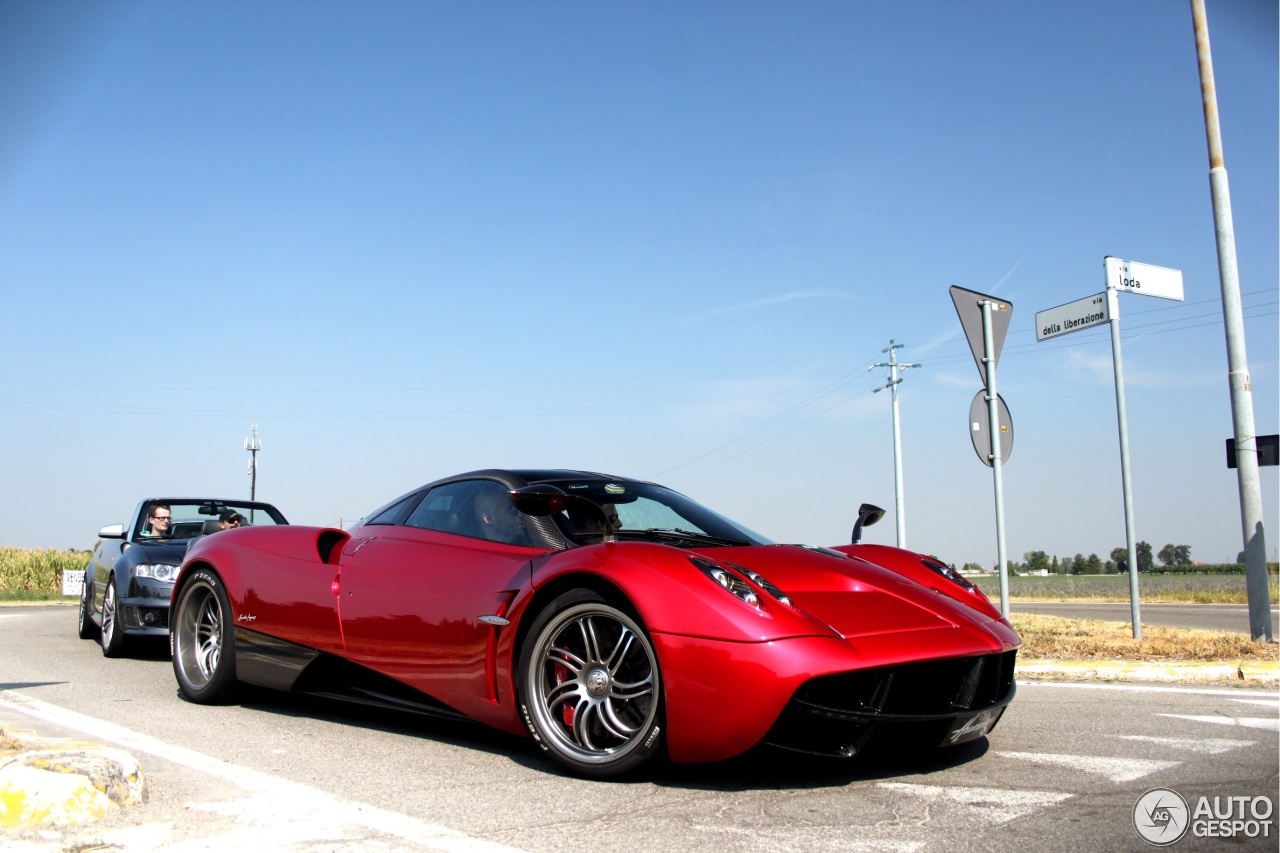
[{"x": 895, "y": 379}]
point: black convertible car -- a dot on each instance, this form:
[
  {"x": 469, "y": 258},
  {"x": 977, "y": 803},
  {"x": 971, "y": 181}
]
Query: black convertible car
[{"x": 128, "y": 581}]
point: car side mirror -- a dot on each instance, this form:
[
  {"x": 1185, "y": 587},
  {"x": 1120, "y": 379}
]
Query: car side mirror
[
  {"x": 868, "y": 514},
  {"x": 112, "y": 531}
]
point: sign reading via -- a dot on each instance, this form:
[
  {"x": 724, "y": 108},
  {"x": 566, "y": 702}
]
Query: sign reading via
[
  {"x": 1145, "y": 279},
  {"x": 1072, "y": 317}
]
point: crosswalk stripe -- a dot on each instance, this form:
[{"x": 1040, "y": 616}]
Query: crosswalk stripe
[
  {"x": 1268, "y": 723},
  {"x": 1115, "y": 769},
  {"x": 1211, "y": 746},
  {"x": 995, "y": 804}
]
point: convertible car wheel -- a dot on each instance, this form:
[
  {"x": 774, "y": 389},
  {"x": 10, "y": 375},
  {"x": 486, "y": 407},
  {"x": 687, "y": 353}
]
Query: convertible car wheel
[
  {"x": 590, "y": 687},
  {"x": 84, "y": 625},
  {"x": 112, "y": 633},
  {"x": 201, "y": 639}
]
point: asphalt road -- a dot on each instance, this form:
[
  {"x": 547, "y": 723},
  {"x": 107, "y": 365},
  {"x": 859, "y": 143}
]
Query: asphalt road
[
  {"x": 1062, "y": 771},
  {"x": 1209, "y": 617}
]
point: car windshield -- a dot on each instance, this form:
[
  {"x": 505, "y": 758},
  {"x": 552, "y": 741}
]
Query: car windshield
[
  {"x": 648, "y": 512},
  {"x": 188, "y": 520}
]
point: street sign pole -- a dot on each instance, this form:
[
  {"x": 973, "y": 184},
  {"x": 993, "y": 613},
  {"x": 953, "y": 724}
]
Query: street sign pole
[
  {"x": 985, "y": 321},
  {"x": 1122, "y": 418},
  {"x": 989, "y": 361},
  {"x": 1247, "y": 478}
]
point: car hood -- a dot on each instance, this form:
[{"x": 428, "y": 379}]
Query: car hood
[
  {"x": 170, "y": 552},
  {"x": 853, "y": 596}
]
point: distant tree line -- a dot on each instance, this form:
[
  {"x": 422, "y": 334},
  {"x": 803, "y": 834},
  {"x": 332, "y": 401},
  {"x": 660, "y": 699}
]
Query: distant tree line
[{"x": 1038, "y": 562}]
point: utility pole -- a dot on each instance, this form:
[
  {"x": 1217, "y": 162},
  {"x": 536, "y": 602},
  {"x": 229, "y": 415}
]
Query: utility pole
[
  {"x": 895, "y": 379},
  {"x": 1246, "y": 439},
  {"x": 253, "y": 446}
]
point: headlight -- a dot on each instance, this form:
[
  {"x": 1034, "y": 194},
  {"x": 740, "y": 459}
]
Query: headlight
[
  {"x": 159, "y": 571},
  {"x": 731, "y": 582},
  {"x": 765, "y": 585}
]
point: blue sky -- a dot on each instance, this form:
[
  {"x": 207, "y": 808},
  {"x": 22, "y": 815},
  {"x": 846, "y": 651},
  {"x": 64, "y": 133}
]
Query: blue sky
[{"x": 662, "y": 240}]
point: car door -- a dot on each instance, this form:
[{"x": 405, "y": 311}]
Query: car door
[{"x": 411, "y": 596}]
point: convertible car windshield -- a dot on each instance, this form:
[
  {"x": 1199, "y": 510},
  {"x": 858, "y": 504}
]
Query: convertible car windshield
[
  {"x": 647, "y": 511},
  {"x": 188, "y": 520}
]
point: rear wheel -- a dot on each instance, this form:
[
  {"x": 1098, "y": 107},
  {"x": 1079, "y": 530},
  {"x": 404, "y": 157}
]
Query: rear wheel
[
  {"x": 112, "y": 633},
  {"x": 201, "y": 640},
  {"x": 590, "y": 687},
  {"x": 84, "y": 625}
]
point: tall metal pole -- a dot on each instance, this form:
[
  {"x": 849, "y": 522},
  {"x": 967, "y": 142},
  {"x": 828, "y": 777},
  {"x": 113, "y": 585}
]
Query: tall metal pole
[
  {"x": 894, "y": 381},
  {"x": 1251, "y": 520},
  {"x": 1122, "y": 418},
  {"x": 993, "y": 410},
  {"x": 253, "y": 446}
]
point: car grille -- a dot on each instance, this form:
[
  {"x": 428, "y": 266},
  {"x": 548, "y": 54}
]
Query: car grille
[{"x": 837, "y": 714}]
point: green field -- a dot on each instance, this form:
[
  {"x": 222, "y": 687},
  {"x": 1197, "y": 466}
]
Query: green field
[
  {"x": 36, "y": 575},
  {"x": 1205, "y": 589}
]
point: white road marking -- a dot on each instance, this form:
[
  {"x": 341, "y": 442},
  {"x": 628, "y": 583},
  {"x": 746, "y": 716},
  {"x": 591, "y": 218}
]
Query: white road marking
[
  {"x": 1265, "y": 703},
  {"x": 1138, "y": 688},
  {"x": 1267, "y": 723},
  {"x": 292, "y": 806},
  {"x": 995, "y": 804},
  {"x": 1212, "y": 746},
  {"x": 1116, "y": 769}
]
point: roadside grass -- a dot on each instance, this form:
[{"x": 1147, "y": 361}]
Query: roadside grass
[{"x": 1059, "y": 638}]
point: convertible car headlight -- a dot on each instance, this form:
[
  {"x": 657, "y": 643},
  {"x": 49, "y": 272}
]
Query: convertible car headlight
[
  {"x": 159, "y": 571},
  {"x": 948, "y": 573}
]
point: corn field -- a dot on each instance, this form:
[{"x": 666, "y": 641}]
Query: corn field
[{"x": 36, "y": 575}]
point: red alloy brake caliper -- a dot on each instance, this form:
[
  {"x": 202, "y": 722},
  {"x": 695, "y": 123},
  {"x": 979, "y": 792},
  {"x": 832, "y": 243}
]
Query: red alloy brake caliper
[{"x": 562, "y": 675}]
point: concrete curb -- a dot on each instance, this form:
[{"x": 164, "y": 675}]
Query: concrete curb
[
  {"x": 63, "y": 782},
  {"x": 1199, "y": 672}
]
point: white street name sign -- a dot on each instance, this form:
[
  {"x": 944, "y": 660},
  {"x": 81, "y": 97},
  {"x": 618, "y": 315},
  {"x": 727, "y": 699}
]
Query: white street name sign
[
  {"x": 1144, "y": 279},
  {"x": 1072, "y": 317}
]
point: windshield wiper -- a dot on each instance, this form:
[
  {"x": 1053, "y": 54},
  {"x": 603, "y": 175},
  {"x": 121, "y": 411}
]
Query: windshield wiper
[{"x": 688, "y": 535}]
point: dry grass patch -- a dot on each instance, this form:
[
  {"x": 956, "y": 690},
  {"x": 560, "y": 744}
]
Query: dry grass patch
[{"x": 1058, "y": 638}]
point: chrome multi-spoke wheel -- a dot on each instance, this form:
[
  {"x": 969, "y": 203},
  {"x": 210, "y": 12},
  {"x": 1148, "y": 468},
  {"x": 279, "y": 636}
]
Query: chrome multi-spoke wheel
[
  {"x": 590, "y": 686},
  {"x": 200, "y": 639},
  {"x": 112, "y": 633}
]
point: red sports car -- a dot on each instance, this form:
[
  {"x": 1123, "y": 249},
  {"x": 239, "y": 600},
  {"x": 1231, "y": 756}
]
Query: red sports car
[{"x": 612, "y": 619}]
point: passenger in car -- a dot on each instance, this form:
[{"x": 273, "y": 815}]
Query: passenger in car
[{"x": 229, "y": 519}]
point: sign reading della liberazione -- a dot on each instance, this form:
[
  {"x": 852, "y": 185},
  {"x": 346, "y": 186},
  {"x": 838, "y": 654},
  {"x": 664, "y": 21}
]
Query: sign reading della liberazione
[{"x": 1072, "y": 317}]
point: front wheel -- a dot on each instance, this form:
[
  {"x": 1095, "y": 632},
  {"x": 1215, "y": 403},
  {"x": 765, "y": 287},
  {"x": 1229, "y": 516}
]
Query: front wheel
[
  {"x": 590, "y": 687},
  {"x": 84, "y": 625},
  {"x": 201, "y": 640},
  {"x": 112, "y": 632}
]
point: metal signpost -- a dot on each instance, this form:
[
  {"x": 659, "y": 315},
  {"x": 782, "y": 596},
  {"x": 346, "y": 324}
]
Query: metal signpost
[
  {"x": 985, "y": 321},
  {"x": 1091, "y": 311}
]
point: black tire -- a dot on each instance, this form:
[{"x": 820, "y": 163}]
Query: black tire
[
  {"x": 202, "y": 640},
  {"x": 590, "y": 687},
  {"x": 111, "y": 633},
  {"x": 85, "y": 625}
]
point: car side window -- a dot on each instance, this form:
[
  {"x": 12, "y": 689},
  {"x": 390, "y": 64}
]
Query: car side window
[
  {"x": 480, "y": 509},
  {"x": 393, "y": 512}
]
